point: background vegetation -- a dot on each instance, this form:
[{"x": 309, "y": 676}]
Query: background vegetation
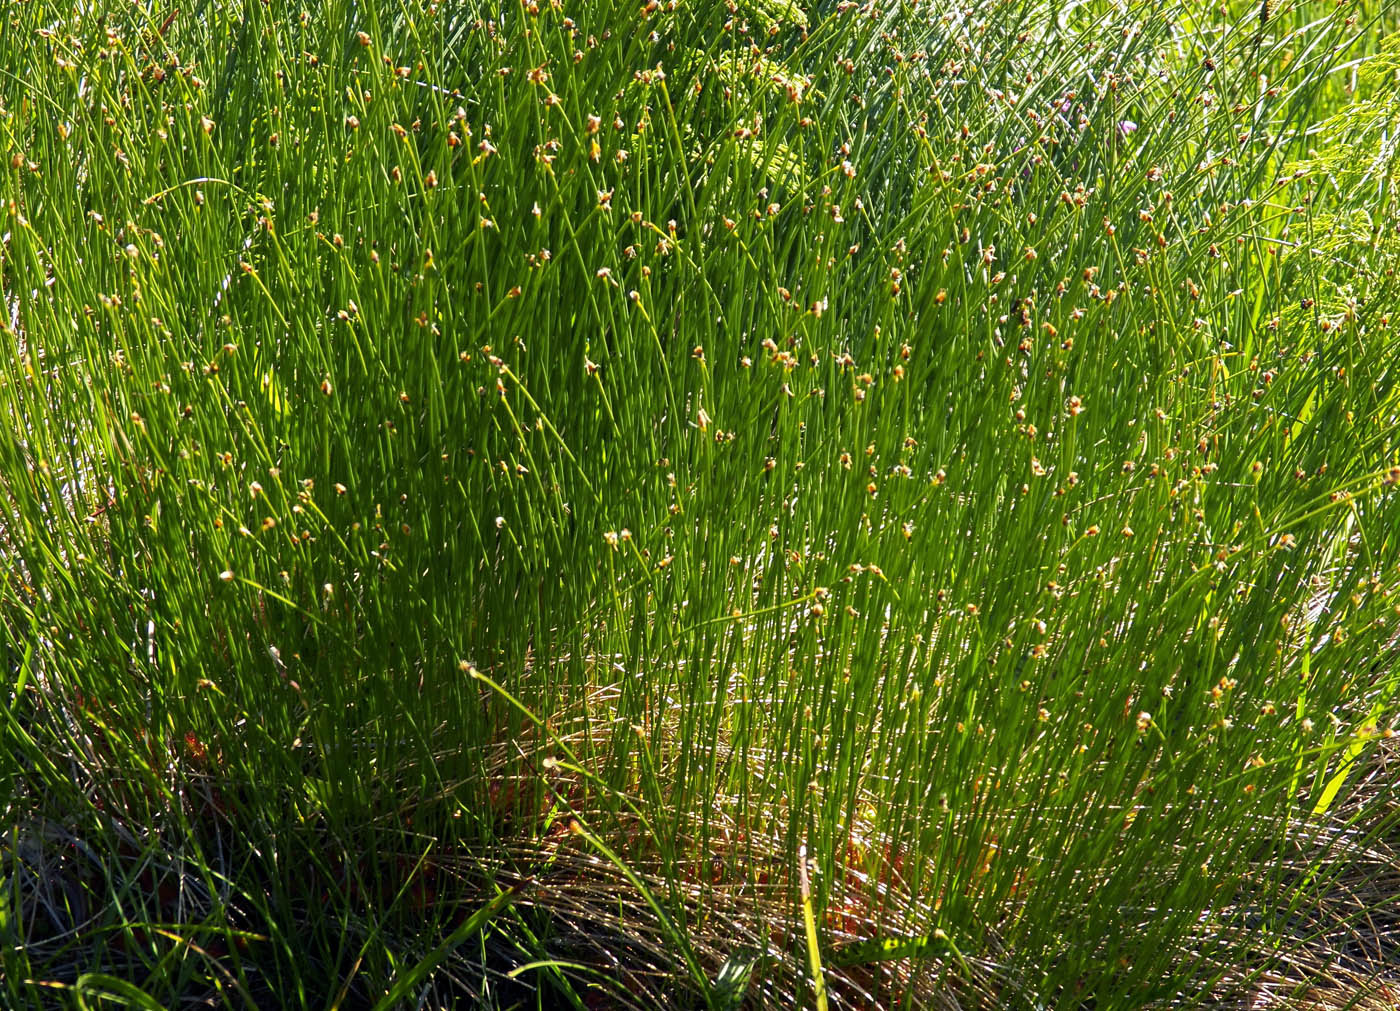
[{"x": 688, "y": 504}]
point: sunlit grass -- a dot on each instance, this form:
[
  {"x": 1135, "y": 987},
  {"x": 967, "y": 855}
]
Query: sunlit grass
[{"x": 491, "y": 489}]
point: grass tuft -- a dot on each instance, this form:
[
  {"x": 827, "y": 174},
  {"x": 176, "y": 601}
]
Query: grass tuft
[{"x": 695, "y": 504}]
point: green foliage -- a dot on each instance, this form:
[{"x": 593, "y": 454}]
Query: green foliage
[{"x": 594, "y": 504}]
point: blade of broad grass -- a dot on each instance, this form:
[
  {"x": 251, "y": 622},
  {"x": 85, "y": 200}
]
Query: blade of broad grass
[
  {"x": 1345, "y": 767},
  {"x": 809, "y": 922},
  {"x": 102, "y": 987},
  {"x": 469, "y": 928}
]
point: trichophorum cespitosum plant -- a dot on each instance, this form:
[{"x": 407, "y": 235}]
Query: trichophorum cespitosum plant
[{"x": 697, "y": 503}]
